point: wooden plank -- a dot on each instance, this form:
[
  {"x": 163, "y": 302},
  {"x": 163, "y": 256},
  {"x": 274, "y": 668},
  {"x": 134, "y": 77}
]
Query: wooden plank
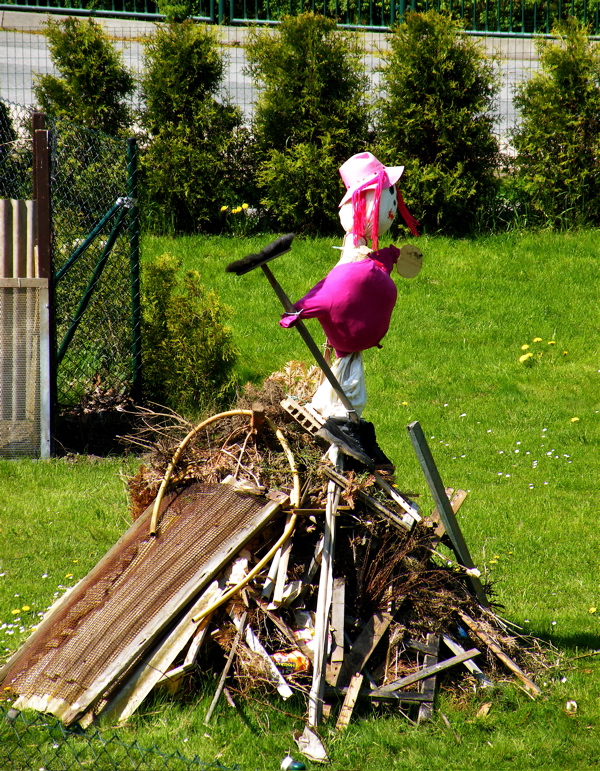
[
  {"x": 370, "y": 501},
  {"x": 195, "y": 645},
  {"x": 440, "y": 498},
  {"x": 456, "y": 501},
  {"x": 324, "y": 596},
  {"x": 495, "y": 648},
  {"x": 455, "y": 647},
  {"x": 428, "y": 671},
  {"x": 407, "y": 697},
  {"x": 256, "y": 646},
  {"x": 349, "y": 702},
  {"x": 282, "y": 569},
  {"x": 363, "y": 646},
  {"x": 226, "y": 668},
  {"x": 338, "y": 608},
  {"x": 158, "y": 660},
  {"x": 428, "y": 686}
]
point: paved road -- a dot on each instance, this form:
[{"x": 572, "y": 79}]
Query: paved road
[{"x": 24, "y": 53}]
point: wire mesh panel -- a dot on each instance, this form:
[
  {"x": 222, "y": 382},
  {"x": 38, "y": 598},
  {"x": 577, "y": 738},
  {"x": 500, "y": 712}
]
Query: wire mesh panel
[
  {"x": 24, "y": 354},
  {"x": 94, "y": 224}
]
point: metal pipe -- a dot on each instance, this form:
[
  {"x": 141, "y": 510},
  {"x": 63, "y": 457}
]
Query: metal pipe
[{"x": 90, "y": 288}]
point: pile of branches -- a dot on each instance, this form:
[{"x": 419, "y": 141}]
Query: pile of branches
[{"x": 408, "y": 576}]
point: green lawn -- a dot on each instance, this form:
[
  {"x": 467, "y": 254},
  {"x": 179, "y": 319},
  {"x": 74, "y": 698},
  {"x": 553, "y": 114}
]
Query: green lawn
[{"x": 521, "y": 437}]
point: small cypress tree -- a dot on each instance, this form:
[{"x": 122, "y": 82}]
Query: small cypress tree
[
  {"x": 94, "y": 84},
  {"x": 311, "y": 116},
  {"x": 557, "y": 168},
  {"x": 15, "y": 159},
  {"x": 437, "y": 120},
  {"x": 196, "y": 156},
  {"x": 188, "y": 349}
]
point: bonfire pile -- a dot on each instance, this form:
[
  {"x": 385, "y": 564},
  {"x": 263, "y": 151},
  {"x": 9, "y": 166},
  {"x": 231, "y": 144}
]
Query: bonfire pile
[{"x": 401, "y": 612}]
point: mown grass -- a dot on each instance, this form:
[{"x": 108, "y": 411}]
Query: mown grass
[{"x": 521, "y": 437}]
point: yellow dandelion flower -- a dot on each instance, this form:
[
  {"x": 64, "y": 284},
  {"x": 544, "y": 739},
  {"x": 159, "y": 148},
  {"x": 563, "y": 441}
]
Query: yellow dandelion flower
[
  {"x": 565, "y": 353},
  {"x": 405, "y": 404},
  {"x": 525, "y": 356},
  {"x": 551, "y": 342},
  {"x": 237, "y": 210},
  {"x": 537, "y": 339},
  {"x": 69, "y": 575},
  {"x": 592, "y": 610},
  {"x": 224, "y": 208},
  {"x": 574, "y": 420},
  {"x": 492, "y": 562},
  {"x": 25, "y": 608},
  {"x": 14, "y": 611},
  {"x": 525, "y": 347},
  {"x": 244, "y": 206}
]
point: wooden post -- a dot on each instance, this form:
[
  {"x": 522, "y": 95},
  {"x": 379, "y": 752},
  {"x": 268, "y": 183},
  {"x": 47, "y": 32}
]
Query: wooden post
[
  {"x": 42, "y": 188},
  {"x": 43, "y": 269},
  {"x": 444, "y": 508}
]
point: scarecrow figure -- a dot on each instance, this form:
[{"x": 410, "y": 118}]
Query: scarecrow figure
[{"x": 354, "y": 302}]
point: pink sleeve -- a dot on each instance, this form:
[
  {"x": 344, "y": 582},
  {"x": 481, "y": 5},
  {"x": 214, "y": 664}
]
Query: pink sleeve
[{"x": 313, "y": 304}]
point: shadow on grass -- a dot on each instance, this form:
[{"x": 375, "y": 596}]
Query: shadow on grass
[{"x": 577, "y": 643}]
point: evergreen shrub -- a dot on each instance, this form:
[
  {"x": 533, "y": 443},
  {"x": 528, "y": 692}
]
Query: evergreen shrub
[
  {"x": 188, "y": 351},
  {"x": 557, "y": 166},
  {"x": 93, "y": 86},
  {"x": 311, "y": 115},
  {"x": 437, "y": 119},
  {"x": 15, "y": 159},
  {"x": 197, "y": 154}
]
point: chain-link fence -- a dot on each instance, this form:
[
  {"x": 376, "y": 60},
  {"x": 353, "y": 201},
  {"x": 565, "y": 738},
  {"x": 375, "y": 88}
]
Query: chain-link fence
[
  {"x": 24, "y": 55},
  {"x": 34, "y": 742}
]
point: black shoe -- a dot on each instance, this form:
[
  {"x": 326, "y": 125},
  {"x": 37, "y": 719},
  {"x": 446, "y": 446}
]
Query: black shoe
[
  {"x": 372, "y": 449},
  {"x": 345, "y": 434}
]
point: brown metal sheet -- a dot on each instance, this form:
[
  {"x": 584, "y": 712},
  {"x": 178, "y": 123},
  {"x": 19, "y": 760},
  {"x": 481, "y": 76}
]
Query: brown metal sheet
[{"x": 114, "y": 613}]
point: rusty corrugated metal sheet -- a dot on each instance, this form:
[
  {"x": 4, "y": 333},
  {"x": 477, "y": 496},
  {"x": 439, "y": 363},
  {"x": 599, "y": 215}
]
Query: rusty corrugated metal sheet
[{"x": 112, "y": 615}]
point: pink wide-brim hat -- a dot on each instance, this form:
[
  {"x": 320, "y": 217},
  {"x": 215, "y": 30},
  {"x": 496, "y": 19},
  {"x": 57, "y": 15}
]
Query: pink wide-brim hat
[{"x": 363, "y": 171}]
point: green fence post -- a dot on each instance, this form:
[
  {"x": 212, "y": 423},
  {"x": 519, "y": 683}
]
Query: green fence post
[
  {"x": 221, "y": 12},
  {"x": 134, "y": 261}
]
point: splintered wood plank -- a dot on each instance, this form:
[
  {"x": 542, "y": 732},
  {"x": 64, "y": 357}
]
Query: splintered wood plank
[
  {"x": 428, "y": 686},
  {"x": 428, "y": 671},
  {"x": 363, "y": 647},
  {"x": 495, "y": 648},
  {"x": 349, "y": 702},
  {"x": 440, "y": 498},
  {"x": 324, "y": 596},
  {"x": 456, "y": 647},
  {"x": 337, "y": 630}
]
